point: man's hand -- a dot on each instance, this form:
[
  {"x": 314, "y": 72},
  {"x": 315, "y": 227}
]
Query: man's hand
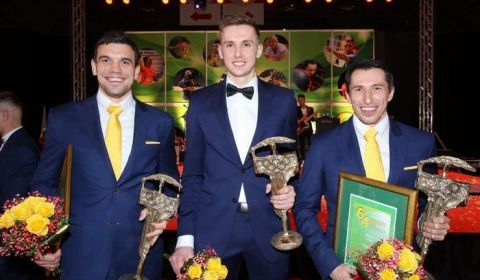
[
  {"x": 49, "y": 261},
  {"x": 179, "y": 257},
  {"x": 437, "y": 228},
  {"x": 343, "y": 272},
  {"x": 284, "y": 199},
  {"x": 157, "y": 227}
]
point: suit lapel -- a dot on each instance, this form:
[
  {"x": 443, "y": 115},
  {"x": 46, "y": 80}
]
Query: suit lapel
[
  {"x": 397, "y": 149},
  {"x": 92, "y": 124},
  {"x": 219, "y": 105},
  {"x": 351, "y": 151}
]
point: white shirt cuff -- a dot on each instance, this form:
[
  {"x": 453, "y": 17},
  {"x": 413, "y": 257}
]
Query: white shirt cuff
[{"x": 185, "y": 241}]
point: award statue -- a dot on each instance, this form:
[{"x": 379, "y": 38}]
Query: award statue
[
  {"x": 160, "y": 208},
  {"x": 280, "y": 168},
  {"x": 443, "y": 193}
]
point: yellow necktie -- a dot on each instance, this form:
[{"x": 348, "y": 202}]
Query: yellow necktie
[
  {"x": 113, "y": 139},
  {"x": 373, "y": 159}
]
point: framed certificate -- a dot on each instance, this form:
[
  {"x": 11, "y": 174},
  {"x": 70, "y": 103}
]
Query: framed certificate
[{"x": 369, "y": 211}]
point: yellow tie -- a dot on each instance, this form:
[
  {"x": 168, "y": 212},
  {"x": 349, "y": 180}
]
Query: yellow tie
[
  {"x": 373, "y": 159},
  {"x": 113, "y": 139}
]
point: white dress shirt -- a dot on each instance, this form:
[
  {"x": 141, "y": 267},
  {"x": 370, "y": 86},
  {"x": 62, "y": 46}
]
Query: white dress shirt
[
  {"x": 126, "y": 118},
  {"x": 382, "y": 138},
  {"x": 243, "y": 115}
]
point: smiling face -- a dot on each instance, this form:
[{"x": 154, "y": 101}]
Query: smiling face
[
  {"x": 114, "y": 66},
  {"x": 369, "y": 95},
  {"x": 239, "y": 49}
]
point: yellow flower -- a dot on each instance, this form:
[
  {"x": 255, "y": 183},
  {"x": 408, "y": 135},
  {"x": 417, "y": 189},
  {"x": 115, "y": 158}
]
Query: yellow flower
[
  {"x": 32, "y": 201},
  {"x": 214, "y": 264},
  {"x": 385, "y": 250},
  {"x": 417, "y": 256},
  {"x": 407, "y": 261},
  {"x": 37, "y": 224},
  {"x": 7, "y": 220},
  {"x": 210, "y": 275},
  {"x": 222, "y": 272},
  {"x": 45, "y": 209},
  {"x": 414, "y": 277},
  {"x": 194, "y": 271},
  {"x": 21, "y": 212},
  {"x": 387, "y": 274}
]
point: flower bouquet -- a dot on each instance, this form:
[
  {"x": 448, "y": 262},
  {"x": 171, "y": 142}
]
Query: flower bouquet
[
  {"x": 205, "y": 265},
  {"x": 390, "y": 259},
  {"x": 30, "y": 225}
]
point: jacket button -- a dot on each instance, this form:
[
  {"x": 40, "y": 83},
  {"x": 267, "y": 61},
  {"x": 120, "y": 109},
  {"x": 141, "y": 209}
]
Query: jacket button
[
  {"x": 116, "y": 190},
  {"x": 234, "y": 200},
  {"x": 243, "y": 170},
  {"x": 110, "y": 224}
]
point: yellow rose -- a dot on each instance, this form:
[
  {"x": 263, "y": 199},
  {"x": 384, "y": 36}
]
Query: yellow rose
[
  {"x": 45, "y": 209},
  {"x": 222, "y": 272},
  {"x": 21, "y": 212},
  {"x": 194, "y": 271},
  {"x": 414, "y": 277},
  {"x": 37, "y": 224},
  {"x": 210, "y": 275},
  {"x": 387, "y": 274},
  {"x": 7, "y": 220},
  {"x": 214, "y": 264},
  {"x": 385, "y": 250},
  {"x": 32, "y": 201},
  {"x": 407, "y": 261}
]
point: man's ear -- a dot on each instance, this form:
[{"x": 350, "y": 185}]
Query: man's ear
[
  {"x": 93, "y": 64},
  {"x": 259, "y": 50}
]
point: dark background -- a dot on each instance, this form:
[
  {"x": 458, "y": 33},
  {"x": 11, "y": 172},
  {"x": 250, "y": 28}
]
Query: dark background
[{"x": 35, "y": 50}]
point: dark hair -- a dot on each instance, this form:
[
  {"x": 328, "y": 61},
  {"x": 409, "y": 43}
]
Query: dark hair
[
  {"x": 368, "y": 64},
  {"x": 238, "y": 19},
  {"x": 301, "y": 95},
  {"x": 116, "y": 37},
  {"x": 8, "y": 97}
]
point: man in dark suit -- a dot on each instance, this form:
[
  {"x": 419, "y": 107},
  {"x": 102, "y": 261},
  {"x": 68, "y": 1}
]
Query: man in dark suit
[
  {"x": 304, "y": 125},
  {"x": 18, "y": 159},
  {"x": 369, "y": 89},
  {"x": 105, "y": 230},
  {"x": 224, "y": 204}
]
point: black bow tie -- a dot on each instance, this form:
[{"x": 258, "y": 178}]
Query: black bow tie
[{"x": 246, "y": 91}]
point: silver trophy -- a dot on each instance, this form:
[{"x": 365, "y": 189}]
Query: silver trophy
[
  {"x": 280, "y": 168},
  {"x": 443, "y": 193},
  {"x": 160, "y": 208}
]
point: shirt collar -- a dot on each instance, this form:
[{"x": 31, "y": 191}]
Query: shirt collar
[
  {"x": 8, "y": 134},
  {"x": 103, "y": 102},
  {"x": 382, "y": 126},
  {"x": 252, "y": 83}
]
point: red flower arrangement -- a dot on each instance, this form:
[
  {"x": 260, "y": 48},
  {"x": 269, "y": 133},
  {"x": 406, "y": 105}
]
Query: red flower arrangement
[
  {"x": 30, "y": 225},
  {"x": 390, "y": 259},
  {"x": 205, "y": 265}
]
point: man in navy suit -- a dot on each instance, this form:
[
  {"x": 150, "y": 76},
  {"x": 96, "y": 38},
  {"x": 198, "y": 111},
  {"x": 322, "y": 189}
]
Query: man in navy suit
[
  {"x": 369, "y": 89},
  {"x": 224, "y": 204},
  {"x": 104, "y": 213},
  {"x": 18, "y": 159}
]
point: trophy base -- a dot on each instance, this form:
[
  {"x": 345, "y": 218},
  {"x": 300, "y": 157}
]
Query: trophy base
[
  {"x": 132, "y": 277},
  {"x": 286, "y": 241}
]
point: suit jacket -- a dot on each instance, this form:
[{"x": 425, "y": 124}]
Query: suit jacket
[
  {"x": 213, "y": 172},
  {"x": 337, "y": 150},
  {"x": 105, "y": 231},
  {"x": 18, "y": 160}
]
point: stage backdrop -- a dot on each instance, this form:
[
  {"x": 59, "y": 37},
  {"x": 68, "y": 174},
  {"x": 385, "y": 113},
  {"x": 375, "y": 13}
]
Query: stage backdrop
[{"x": 312, "y": 62}]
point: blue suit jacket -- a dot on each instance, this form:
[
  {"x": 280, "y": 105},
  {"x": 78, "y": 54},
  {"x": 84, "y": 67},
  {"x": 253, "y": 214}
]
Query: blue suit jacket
[
  {"x": 337, "y": 150},
  {"x": 213, "y": 172},
  {"x": 18, "y": 159},
  {"x": 105, "y": 231}
]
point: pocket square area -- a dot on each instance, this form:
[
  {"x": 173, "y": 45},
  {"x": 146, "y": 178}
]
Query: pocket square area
[{"x": 149, "y": 142}]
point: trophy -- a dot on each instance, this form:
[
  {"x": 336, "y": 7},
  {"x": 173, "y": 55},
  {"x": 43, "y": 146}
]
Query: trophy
[
  {"x": 280, "y": 168},
  {"x": 160, "y": 208},
  {"x": 443, "y": 193}
]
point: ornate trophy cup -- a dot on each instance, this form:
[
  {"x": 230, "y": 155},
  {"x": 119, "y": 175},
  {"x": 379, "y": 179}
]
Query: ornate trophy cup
[
  {"x": 280, "y": 168},
  {"x": 443, "y": 193},
  {"x": 160, "y": 208}
]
